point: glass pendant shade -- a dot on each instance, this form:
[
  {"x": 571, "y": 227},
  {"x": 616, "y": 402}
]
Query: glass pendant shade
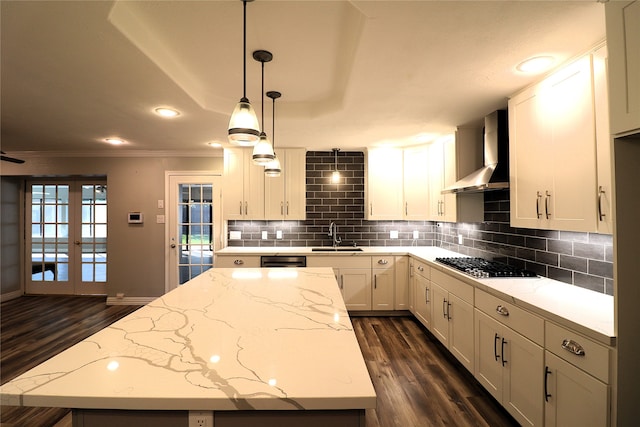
[
  {"x": 272, "y": 169},
  {"x": 263, "y": 151},
  {"x": 244, "y": 129}
]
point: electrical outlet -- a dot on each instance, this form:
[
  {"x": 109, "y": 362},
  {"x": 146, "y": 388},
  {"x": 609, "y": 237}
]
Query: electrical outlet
[
  {"x": 393, "y": 234},
  {"x": 200, "y": 419},
  {"x": 264, "y": 235},
  {"x": 460, "y": 241},
  {"x": 278, "y": 234},
  {"x": 416, "y": 234}
]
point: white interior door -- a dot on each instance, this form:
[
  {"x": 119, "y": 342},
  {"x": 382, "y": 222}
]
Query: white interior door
[
  {"x": 67, "y": 242},
  {"x": 195, "y": 223}
]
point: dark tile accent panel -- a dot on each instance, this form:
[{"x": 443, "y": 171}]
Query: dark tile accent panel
[{"x": 582, "y": 259}]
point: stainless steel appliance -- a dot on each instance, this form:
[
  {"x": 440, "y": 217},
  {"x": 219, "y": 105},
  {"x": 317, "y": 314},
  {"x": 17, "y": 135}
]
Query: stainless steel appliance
[
  {"x": 482, "y": 268},
  {"x": 283, "y": 261}
]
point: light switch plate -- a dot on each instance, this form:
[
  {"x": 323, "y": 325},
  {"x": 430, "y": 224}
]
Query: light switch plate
[
  {"x": 160, "y": 204},
  {"x": 264, "y": 235},
  {"x": 416, "y": 234},
  {"x": 460, "y": 241},
  {"x": 235, "y": 235},
  {"x": 393, "y": 234},
  {"x": 279, "y": 234},
  {"x": 159, "y": 219}
]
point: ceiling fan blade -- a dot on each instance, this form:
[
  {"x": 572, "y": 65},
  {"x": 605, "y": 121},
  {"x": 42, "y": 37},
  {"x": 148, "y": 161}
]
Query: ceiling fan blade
[{"x": 10, "y": 159}]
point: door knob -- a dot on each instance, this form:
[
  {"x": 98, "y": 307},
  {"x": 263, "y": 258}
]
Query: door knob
[{"x": 173, "y": 245}]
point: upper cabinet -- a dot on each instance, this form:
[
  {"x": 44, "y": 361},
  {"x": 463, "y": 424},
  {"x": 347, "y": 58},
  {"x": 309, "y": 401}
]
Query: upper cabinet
[
  {"x": 384, "y": 183},
  {"x": 552, "y": 150},
  {"x": 243, "y": 186},
  {"x": 415, "y": 178},
  {"x": 285, "y": 196},
  {"x": 450, "y": 160},
  {"x": 623, "y": 40}
]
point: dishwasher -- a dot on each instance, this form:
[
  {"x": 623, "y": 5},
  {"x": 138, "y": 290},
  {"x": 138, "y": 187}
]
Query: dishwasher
[{"x": 283, "y": 261}]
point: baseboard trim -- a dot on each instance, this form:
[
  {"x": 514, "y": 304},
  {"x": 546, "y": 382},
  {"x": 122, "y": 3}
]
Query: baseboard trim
[
  {"x": 129, "y": 300},
  {"x": 8, "y": 296}
]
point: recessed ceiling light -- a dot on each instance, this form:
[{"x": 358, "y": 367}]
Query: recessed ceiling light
[
  {"x": 166, "y": 112},
  {"x": 214, "y": 144},
  {"x": 115, "y": 141},
  {"x": 537, "y": 64}
]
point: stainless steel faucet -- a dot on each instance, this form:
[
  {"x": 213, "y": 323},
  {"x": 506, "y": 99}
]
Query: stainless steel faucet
[{"x": 333, "y": 232}]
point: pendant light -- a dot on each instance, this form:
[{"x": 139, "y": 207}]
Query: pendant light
[
  {"x": 273, "y": 169},
  {"x": 262, "y": 151},
  {"x": 244, "y": 129},
  {"x": 335, "y": 176}
]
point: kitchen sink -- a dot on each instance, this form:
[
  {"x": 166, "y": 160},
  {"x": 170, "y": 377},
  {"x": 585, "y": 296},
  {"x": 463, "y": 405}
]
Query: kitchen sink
[{"x": 343, "y": 249}]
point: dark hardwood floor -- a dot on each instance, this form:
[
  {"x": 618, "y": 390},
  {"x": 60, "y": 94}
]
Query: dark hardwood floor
[
  {"x": 35, "y": 328},
  {"x": 418, "y": 383}
]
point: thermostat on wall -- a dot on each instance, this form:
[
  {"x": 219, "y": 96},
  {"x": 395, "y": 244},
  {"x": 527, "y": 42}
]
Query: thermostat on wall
[{"x": 135, "y": 218}]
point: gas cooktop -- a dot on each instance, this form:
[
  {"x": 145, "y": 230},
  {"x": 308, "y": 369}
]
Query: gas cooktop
[{"x": 482, "y": 268}]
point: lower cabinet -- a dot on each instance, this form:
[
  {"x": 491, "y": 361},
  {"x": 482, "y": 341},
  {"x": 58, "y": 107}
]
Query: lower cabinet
[
  {"x": 452, "y": 315},
  {"x": 422, "y": 292},
  {"x": 237, "y": 261},
  {"x": 384, "y": 279},
  {"x": 402, "y": 283},
  {"x": 355, "y": 285},
  {"x": 509, "y": 366}
]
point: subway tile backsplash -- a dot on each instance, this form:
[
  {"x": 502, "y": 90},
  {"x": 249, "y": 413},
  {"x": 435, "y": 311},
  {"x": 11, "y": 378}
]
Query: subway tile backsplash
[{"x": 582, "y": 259}]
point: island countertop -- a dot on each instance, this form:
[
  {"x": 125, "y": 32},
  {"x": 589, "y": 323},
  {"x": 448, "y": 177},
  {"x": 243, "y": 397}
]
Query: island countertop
[{"x": 230, "y": 339}]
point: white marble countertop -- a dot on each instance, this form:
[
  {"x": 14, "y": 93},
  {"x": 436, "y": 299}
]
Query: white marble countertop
[
  {"x": 230, "y": 339},
  {"x": 588, "y": 312}
]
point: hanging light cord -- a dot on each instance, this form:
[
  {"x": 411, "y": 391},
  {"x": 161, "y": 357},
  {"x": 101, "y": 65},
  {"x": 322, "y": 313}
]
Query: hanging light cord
[
  {"x": 244, "y": 50},
  {"x": 262, "y": 95},
  {"x": 273, "y": 126}
]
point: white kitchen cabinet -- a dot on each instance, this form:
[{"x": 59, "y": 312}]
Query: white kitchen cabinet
[
  {"x": 509, "y": 366},
  {"x": 285, "y": 195},
  {"x": 243, "y": 186},
  {"x": 384, "y": 276},
  {"x": 383, "y": 189},
  {"x": 603, "y": 143},
  {"x": 623, "y": 40},
  {"x": 236, "y": 261},
  {"x": 449, "y": 160},
  {"x": 412, "y": 285},
  {"x": 401, "y": 301},
  {"x": 553, "y": 152},
  {"x": 452, "y": 316},
  {"x": 422, "y": 292},
  {"x": 415, "y": 183},
  {"x": 353, "y": 274}
]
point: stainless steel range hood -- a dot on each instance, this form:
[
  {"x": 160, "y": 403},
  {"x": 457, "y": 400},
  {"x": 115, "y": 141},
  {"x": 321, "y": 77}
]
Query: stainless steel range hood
[{"x": 494, "y": 175}]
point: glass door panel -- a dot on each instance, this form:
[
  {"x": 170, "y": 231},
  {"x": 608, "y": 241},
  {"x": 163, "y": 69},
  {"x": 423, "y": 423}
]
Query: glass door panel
[
  {"x": 93, "y": 235},
  {"x": 195, "y": 230}
]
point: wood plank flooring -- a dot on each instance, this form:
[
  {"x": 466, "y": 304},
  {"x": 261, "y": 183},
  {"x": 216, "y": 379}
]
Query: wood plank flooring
[
  {"x": 418, "y": 383},
  {"x": 35, "y": 328}
]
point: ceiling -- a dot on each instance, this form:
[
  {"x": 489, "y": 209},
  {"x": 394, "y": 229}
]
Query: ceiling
[{"x": 353, "y": 74}]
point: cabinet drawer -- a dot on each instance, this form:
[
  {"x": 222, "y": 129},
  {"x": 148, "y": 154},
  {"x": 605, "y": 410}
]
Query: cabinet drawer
[
  {"x": 453, "y": 285},
  {"x": 422, "y": 269},
  {"x": 237, "y": 261},
  {"x": 521, "y": 321},
  {"x": 594, "y": 357},
  {"x": 340, "y": 261},
  {"x": 383, "y": 261}
]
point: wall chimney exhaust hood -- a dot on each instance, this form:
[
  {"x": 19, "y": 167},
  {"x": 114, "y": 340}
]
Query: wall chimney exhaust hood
[{"x": 494, "y": 175}]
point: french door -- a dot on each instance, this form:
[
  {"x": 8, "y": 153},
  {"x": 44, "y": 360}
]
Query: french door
[
  {"x": 66, "y": 240},
  {"x": 195, "y": 222}
]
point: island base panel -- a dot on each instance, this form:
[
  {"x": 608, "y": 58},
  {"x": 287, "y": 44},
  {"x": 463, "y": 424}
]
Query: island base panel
[{"x": 110, "y": 418}]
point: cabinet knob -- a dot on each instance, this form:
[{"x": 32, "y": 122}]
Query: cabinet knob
[
  {"x": 573, "y": 347},
  {"x": 238, "y": 262},
  {"x": 502, "y": 310},
  {"x": 383, "y": 261}
]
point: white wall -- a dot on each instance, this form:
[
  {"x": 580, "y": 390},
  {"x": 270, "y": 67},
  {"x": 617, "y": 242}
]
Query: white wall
[{"x": 135, "y": 253}]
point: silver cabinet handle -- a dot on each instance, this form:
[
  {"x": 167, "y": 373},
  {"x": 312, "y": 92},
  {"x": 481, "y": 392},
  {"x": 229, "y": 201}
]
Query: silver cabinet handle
[
  {"x": 406, "y": 208},
  {"x": 240, "y": 207},
  {"x": 281, "y": 208},
  {"x": 341, "y": 281},
  {"x": 238, "y": 262},
  {"x": 375, "y": 281},
  {"x": 287, "y": 208},
  {"x": 601, "y": 214},
  {"x": 420, "y": 268},
  {"x": 504, "y": 362},
  {"x": 538, "y": 197},
  {"x": 546, "y": 204},
  {"x": 426, "y": 295},
  {"x": 573, "y": 347},
  {"x": 246, "y": 208},
  {"x": 502, "y": 310},
  {"x": 383, "y": 261}
]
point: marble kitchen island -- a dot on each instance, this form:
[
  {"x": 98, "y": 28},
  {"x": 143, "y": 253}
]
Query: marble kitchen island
[{"x": 252, "y": 346}]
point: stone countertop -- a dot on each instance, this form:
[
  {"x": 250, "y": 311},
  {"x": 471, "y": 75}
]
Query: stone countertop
[
  {"x": 230, "y": 339},
  {"x": 588, "y": 312}
]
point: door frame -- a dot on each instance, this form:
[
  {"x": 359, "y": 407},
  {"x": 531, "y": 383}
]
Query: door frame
[{"x": 219, "y": 224}]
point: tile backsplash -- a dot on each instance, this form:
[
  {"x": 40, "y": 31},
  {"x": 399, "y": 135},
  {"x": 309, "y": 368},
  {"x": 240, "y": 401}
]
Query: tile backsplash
[{"x": 582, "y": 259}]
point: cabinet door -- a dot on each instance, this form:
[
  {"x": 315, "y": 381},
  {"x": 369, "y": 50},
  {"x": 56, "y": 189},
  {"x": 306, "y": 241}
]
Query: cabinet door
[
  {"x": 296, "y": 184},
  {"x": 488, "y": 350},
  {"x": 274, "y": 190},
  {"x": 574, "y": 398},
  {"x": 603, "y": 142},
  {"x": 436, "y": 181},
  {"x": 401, "y": 300},
  {"x": 449, "y": 177},
  {"x": 529, "y": 136},
  {"x": 233, "y": 184},
  {"x": 570, "y": 114},
  {"x": 623, "y": 39},
  {"x": 439, "y": 307},
  {"x": 415, "y": 183},
  {"x": 384, "y": 184},
  {"x": 412, "y": 286},
  {"x": 460, "y": 314},
  {"x": 383, "y": 288},
  {"x": 356, "y": 288},
  {"x": 522, "y": 381},
  {"x": 422, "y": 301}
]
